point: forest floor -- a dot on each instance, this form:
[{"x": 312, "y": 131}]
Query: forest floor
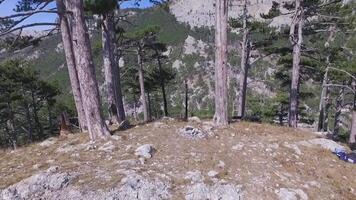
[{"x": 262, "y": 161}]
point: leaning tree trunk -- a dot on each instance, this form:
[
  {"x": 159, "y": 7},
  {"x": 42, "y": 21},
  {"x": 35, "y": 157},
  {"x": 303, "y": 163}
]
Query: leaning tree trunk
[
  {"x": 221, "y": 95},
  {"x": 110, "y": 67},
  {"x": 165, "y": 106},
  {"x": 323, "y": 102},
  {"x": 142, "y": 86},
  {"x": 86, "y": 73},
  {"x": 245, "y": 56},
  {"x": 72, "y": 68},
  {"x": 296, "y": 40}
]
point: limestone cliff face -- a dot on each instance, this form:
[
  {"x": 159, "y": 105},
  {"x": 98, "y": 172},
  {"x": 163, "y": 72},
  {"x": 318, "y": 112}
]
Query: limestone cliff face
[{"x": 199, "y": 13}]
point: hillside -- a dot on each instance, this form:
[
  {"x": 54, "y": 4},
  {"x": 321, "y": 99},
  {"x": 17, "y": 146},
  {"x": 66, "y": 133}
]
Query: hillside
[
  {"x": 191, "y": 57},
  {"x": 241, "y": 161}
]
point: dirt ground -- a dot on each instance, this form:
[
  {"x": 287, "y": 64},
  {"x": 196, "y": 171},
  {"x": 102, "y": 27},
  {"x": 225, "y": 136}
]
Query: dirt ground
[{"x": 259, "y": 157}]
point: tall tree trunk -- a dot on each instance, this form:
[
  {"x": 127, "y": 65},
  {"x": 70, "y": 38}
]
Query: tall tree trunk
[
  {"x": 339, "y": 104},
  {"x": 110, "y": 67},
  {"x": 142, "y": 86},
  {"x": 50, "y": 121},
  {"x": 11, "y": 127},
  {"x": 120, "y": 102},
  {"x": 245, "y": 57},
  {"x": 186, "y": 100},
  {"x": 71, "y": 64},
  {"x": 296, "y": 41},
  {"x": 165, "y": 106},
  {"x": 35, "y": 116},
  {"x": 29, "y": 122},
  {"x": 221, "y": 95},
  {"x": 352, "y": 139},
  {"x": 86, "y": 73},
  {"x": 149, "y": 105},
  {"x": 322, "y": 103}
]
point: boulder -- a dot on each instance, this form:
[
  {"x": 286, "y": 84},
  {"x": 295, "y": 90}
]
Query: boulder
[
  {"x": 192, "y": 133},
  {"x": 145, "y": 151},
  {"x": 291, "y": 194},
  {"x": 217, "y": 191},
  {"x": 323, "y": 143}
]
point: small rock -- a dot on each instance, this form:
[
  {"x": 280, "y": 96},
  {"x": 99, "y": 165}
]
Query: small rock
[
  {"x": 291, "y": 194},
  {"x": 47, "y": 143},
  {"x": 192, "y": 133},
  {"x": 238, "y": 147},
  {"x": 194, "y": 176},
  {"x": 107, "y": 147},
  {"x": 194, "y": 119},
  {"x": 213, "y": 173},
  {"x": 160, "y": 125},
  {"x": 116, "y": 137},
  {"x": 145, "y": 151},
  {"x": 221, "y": 164}
]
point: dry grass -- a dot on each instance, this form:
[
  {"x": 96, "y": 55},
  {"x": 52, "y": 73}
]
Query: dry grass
[{"x": 262, "y": 166}]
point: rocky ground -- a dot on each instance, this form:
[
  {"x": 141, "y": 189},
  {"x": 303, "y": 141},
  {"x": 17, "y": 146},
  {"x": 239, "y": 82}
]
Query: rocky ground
[{"x": 179, "y": 160}]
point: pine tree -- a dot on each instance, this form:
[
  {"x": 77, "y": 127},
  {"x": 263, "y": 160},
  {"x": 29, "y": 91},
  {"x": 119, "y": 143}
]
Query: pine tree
[{"x": 221, "y": 95}]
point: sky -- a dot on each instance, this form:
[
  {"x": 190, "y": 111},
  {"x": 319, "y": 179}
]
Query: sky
[{"x": 6, "y": 8}]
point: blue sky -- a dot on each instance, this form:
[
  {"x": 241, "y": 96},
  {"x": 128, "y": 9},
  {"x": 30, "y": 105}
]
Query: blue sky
[{"x": 6, "y": 8}]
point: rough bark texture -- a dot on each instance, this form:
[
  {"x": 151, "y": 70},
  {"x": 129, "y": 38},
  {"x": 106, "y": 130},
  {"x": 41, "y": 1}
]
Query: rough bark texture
[
  {"x": 339, "y": 105},
  {"x": 86, "y": 73},
  {"x": 244, "y": 66},
  {"x": 142, "y": 86},
  {"x": 322, "y": 103},
  {"x": 110, "y": 67},
  {"x": 352, "y": 139},
  {"x": 72, "y": 68},
  {"x": 296, "y": 41},
  {"x": 186, "y": 100},
  {"x": 221, "y": 95},
  {"x": 353, "y": 128}
]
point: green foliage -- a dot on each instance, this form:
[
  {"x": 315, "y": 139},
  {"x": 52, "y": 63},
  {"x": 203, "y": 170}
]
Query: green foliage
[
  {"x": 100, "y": 7},
  {"x": 27, "y": 104}
]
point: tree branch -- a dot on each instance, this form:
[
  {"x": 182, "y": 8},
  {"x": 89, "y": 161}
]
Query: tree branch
[{"x": 27, "y": 26}]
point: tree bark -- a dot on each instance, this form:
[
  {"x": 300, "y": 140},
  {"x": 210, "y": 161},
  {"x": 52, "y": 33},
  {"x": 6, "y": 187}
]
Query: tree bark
[
  {"x": 296, "y": 41},
  {"x": 86, "y": 73},
  {"x": 245, "y": 57},
  {"x": 322, "y": 103},
  {"x": 339, "y": 104},
  {"x": 110, "y": 67},
  {"x": 165, "y": 105},
  {"x": 71, "y": 64},
  {"x": 142, "y": 86},
  {"x": 352, "y": 139},
  {"x": 186, "y": 100},
  {"x": 221, "y": 95}
]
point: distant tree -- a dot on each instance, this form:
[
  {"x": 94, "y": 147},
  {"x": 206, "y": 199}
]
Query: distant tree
[
  {"x": 139, "y": 40},
  {"x": 22, "y": 97}
]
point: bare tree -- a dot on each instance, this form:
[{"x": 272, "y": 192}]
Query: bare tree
[
  {"x": 221, "y": 95},
  {"x": 296, "y": 39},
  {"x": 72, "y": 68},
  {"x": 86, "y": 73}
]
